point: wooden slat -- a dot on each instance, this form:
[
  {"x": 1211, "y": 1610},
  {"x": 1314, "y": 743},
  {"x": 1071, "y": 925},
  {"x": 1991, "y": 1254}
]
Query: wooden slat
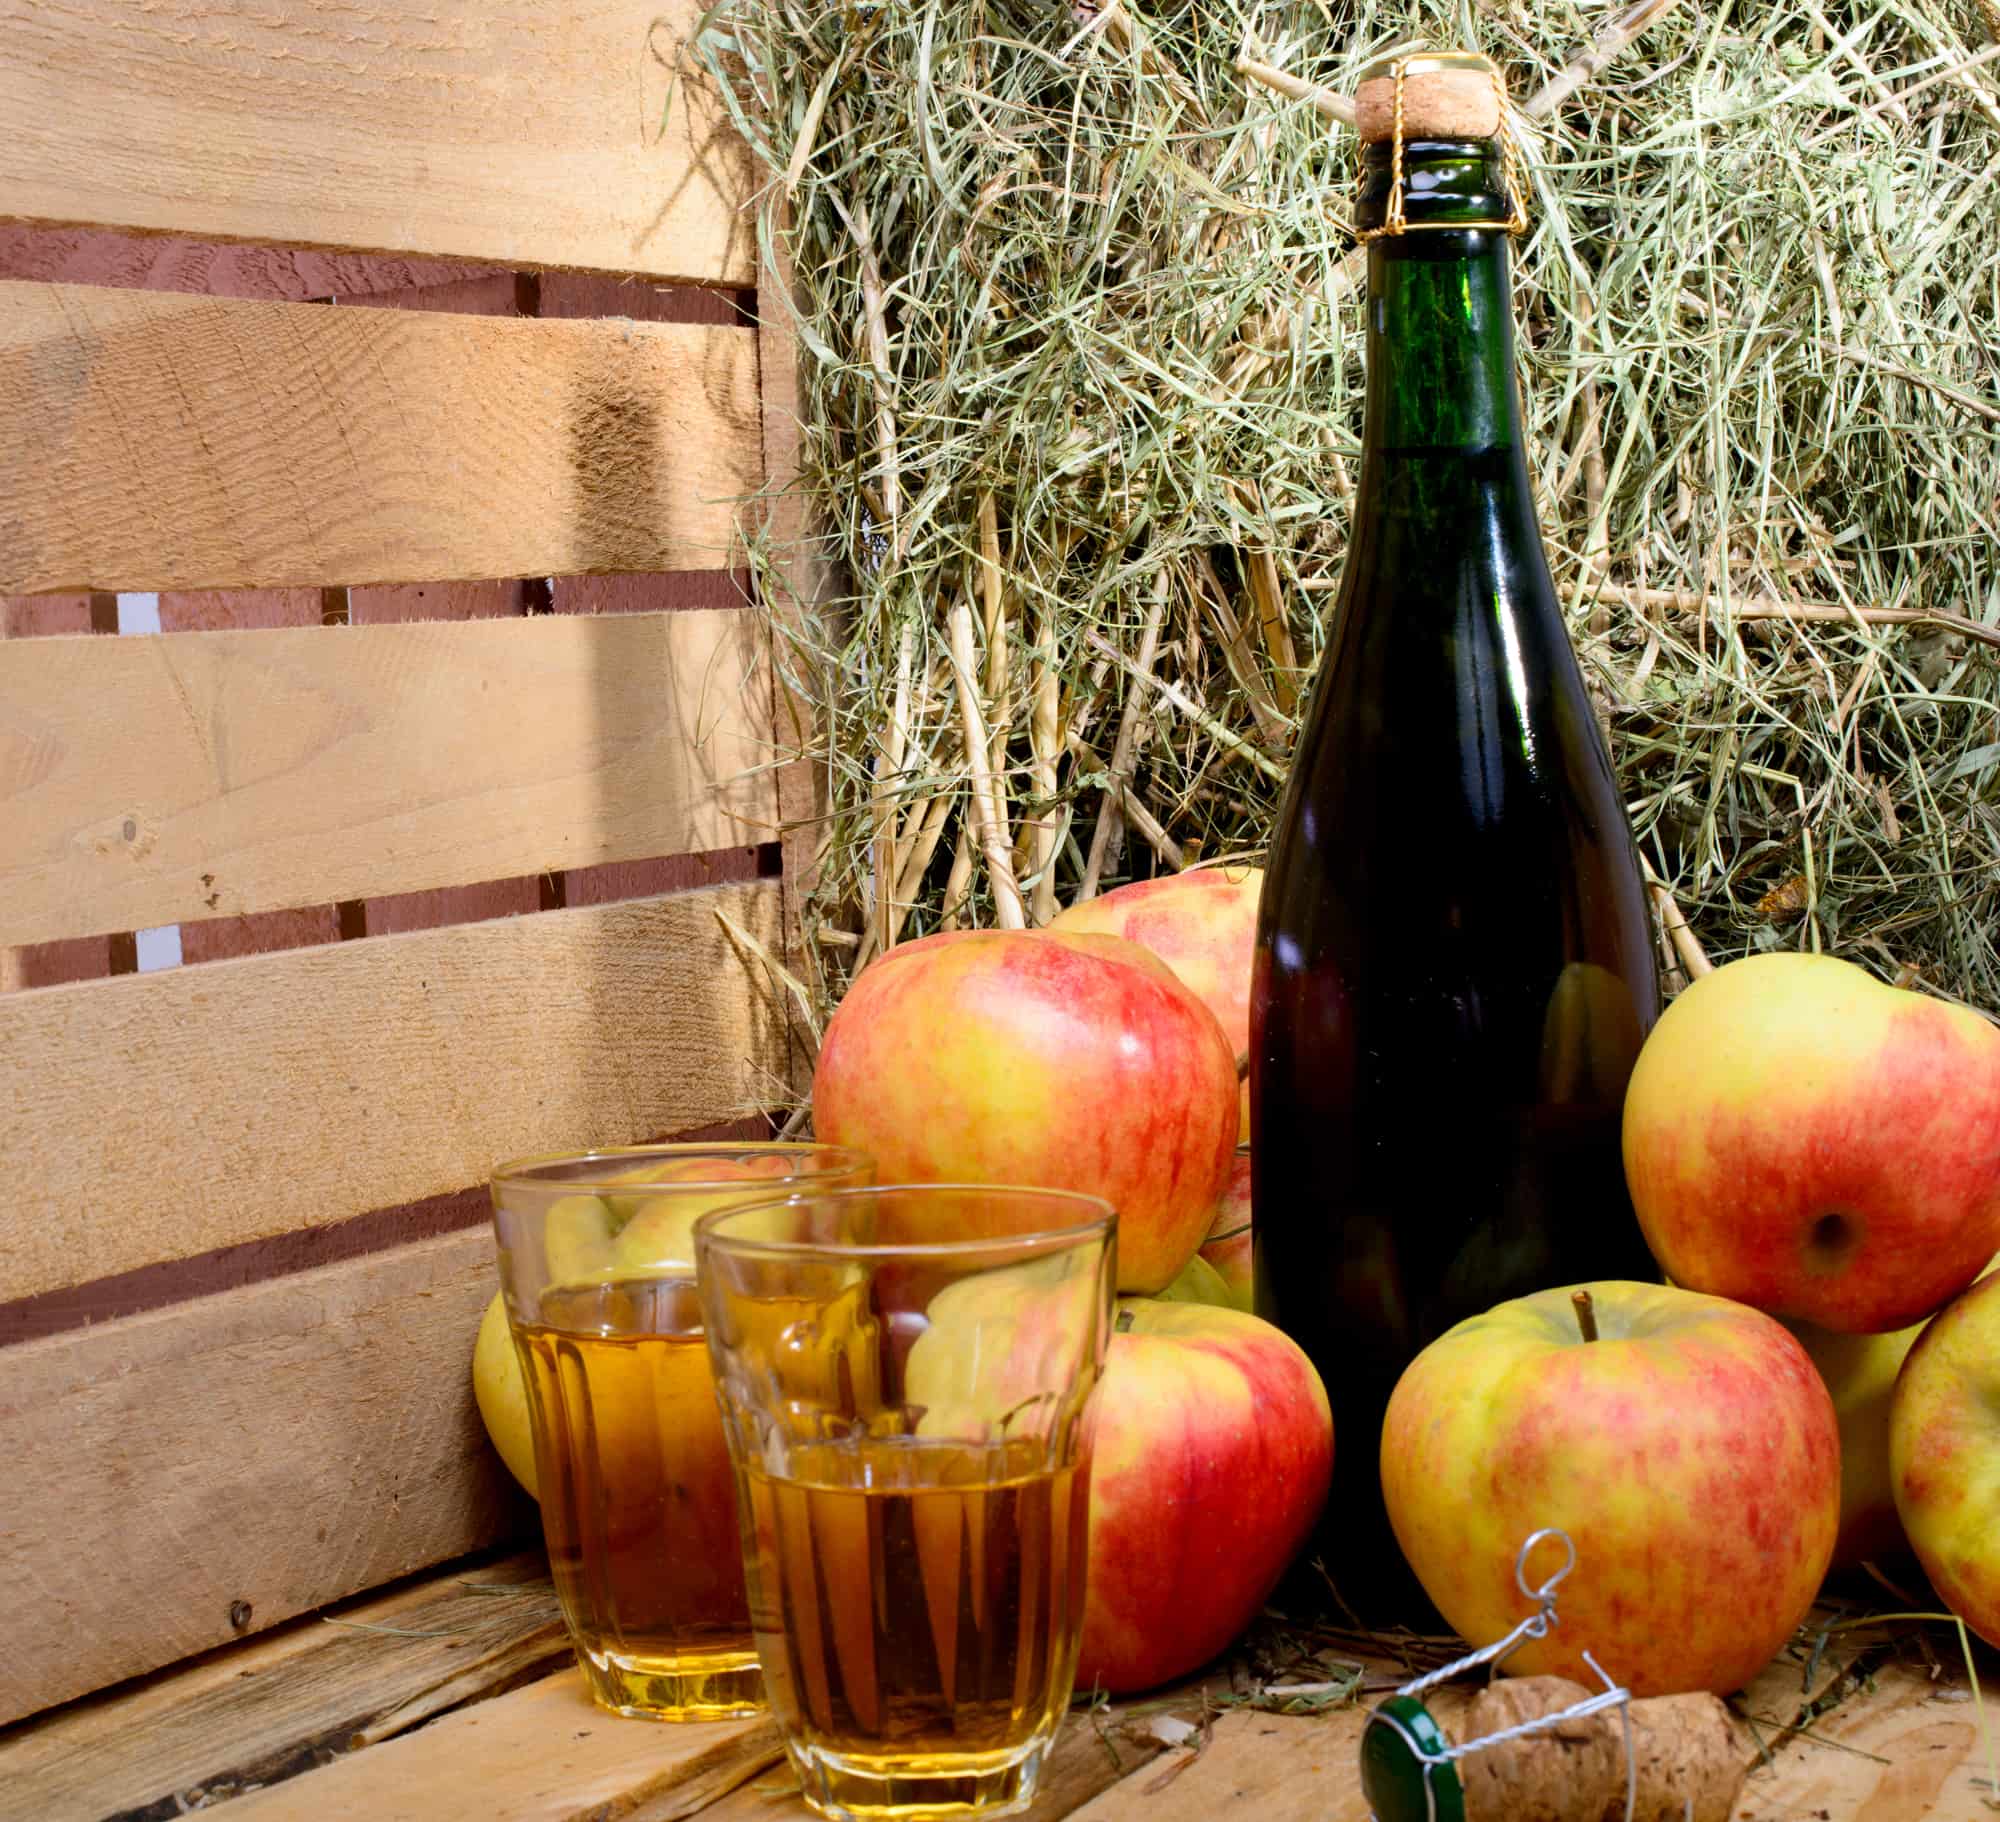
[
  {"x": 504, "y": 130},
  {"x": 181, "y": 1477},
  {"x": 1905, "y": 1749},
  {"x": 1279, "y": 1768},
  {"x": 157, "y": 441},
  {"x": 210, "y": 775},
  {"x": 542, "y": 1754},
  {"x": 290, "y": 1701},
  {"x": 160, "y": 1116}
]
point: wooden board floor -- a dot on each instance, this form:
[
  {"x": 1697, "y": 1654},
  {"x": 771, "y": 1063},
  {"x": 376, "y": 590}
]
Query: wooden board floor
[{"x": 453, "y": 1697}]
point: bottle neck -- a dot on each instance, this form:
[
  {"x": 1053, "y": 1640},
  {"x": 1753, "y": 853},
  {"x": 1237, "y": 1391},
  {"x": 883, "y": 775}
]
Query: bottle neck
[{"x": 1440, "y": 335}]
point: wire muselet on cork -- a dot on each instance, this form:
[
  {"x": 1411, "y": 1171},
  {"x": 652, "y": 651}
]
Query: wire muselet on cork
[
  {"x": 1394, "y": 221},
  {"x": 1441, "y": 1754}
]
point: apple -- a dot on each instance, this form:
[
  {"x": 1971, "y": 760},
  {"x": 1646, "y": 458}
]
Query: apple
[
  {"x": 1860, "y": 1374},
  {"x": 1199, "y": 1282},
  {"x": 1227, "y": 1247},
  {"x": 1690, "y": 1452},
  {"x": 1802, "y": 1138},
  {"x": 1212, "y": 1451},
  {"x": 1944, "y": 1454},
  {"x": 502, "y": 1394},
  {"x": 1046, "y": 1059},
  {"x": 1203, "y": 925},
  {"x": 1212, "y": 1445},
  {"x": 998, "y": 1347},
  {"x": 578, "y": 1236}
]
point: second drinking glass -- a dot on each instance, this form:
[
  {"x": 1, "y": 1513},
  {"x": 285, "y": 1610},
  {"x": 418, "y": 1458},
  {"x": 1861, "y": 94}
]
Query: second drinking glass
[{"x": 905, "y": 1376}]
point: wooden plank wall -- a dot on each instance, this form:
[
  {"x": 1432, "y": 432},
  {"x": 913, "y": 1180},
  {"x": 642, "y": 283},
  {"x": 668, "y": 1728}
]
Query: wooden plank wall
[
  {"x": 160, "y": 441},
  {"x": 411, "y": 865},
  {"x": 516, "y": 132}
]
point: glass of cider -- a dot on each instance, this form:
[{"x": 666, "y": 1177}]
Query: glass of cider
[
  {"x": 906, "y": 1376},
  {"x": 638, "y": 1496}
]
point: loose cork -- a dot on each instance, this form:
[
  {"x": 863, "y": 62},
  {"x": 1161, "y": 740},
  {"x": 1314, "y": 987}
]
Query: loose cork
[
  {"x": 1437, "y": 104},
  {"x": 1685, "y": 1749}
]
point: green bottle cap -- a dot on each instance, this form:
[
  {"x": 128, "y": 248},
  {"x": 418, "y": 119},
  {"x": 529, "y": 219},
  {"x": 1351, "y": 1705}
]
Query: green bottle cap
[{"x": 1399, "y": 1785}]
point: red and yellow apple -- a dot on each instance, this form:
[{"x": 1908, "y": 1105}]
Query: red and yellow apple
[
  {"x": 1007, "y": 1346},
  {"x": 1944, "y": 1454},
  {"x": 1860, "y": 1375},
  {"x": 1213, "y": 1449},
  {"x": 1228, "y": 1246},
  {"x": 1690, "y": 1452},
  {"x": 1802, "y": 1138},
  {"x": 1203, "y": 925},
  {"x": 1041, "y": 1058}
]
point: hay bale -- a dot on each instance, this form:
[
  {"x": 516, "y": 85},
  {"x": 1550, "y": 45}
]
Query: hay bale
[{"x": 1082, "y": 371}]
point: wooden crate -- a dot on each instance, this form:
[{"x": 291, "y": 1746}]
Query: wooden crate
[
  {"x": 400, "y": 375},
  {"x": 453, "y": 769}
]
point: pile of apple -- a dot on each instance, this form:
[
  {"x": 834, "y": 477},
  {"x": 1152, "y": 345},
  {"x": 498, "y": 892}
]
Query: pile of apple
[
  {"x": 1100, "y": 1055},
  {"x": 1815, "y": 1160}
]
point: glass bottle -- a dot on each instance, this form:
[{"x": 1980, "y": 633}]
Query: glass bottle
[{"x": 1455, "y": 964}]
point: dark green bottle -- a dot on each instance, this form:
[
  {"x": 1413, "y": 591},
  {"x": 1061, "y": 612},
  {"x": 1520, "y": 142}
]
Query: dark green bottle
[{"x": 1455, "y": 963}]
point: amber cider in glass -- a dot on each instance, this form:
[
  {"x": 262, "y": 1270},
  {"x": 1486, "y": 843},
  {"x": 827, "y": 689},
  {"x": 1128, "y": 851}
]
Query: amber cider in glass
[
  {"x": 639, "y": 1499},
  {"x": 918, "y": 1606}
]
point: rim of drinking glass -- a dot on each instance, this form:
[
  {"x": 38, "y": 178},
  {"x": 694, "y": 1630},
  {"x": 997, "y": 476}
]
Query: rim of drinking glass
[
  {"x": 521, "y": 1172},
  {"x": 1048, "y": 1238}
]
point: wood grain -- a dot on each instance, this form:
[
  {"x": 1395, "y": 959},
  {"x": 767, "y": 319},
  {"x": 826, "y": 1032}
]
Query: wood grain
[
  {"x": 428, "y": 909},
  {"x": 292, "y": 1700},
  {"x": 239, "y": 609},
  {"x": 592, "y": 294},
  {"x": 201, "y": 776},
  {"x": 507, "y": 131},
  {"x": 435, "y": 601},
  {"x": 1279, "y": 1768},
  {"x": 164, "y": 262},
  {"x": 1904, "y": 1749},
  {"x": 72, "y": 958},
  {"x": 159, "y": 441},
  {"x": 228, "y": 1268},
  {"x": 542, "y": 1754},
  {"x": 182, "y": 1477},
  {"x": 220, "y": 939},
  {"x": 159, "y": 1116},
  {"x": 38, "y": 616}
]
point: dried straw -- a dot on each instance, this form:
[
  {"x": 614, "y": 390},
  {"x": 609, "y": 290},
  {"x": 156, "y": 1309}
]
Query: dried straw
[{"x": 1077, "y": 301}]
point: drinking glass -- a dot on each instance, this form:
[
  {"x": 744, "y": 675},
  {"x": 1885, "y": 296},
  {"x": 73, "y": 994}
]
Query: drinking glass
[
  {"x": 905, "y": 1376},
  {"x": 637, "y": 1493}
]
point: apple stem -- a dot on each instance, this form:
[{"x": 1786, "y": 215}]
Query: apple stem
[{"x": 1586, "y": 1314}]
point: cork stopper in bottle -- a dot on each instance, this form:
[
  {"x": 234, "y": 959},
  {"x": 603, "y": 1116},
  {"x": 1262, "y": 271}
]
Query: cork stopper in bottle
[{"x": 1446, "y": 95}]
